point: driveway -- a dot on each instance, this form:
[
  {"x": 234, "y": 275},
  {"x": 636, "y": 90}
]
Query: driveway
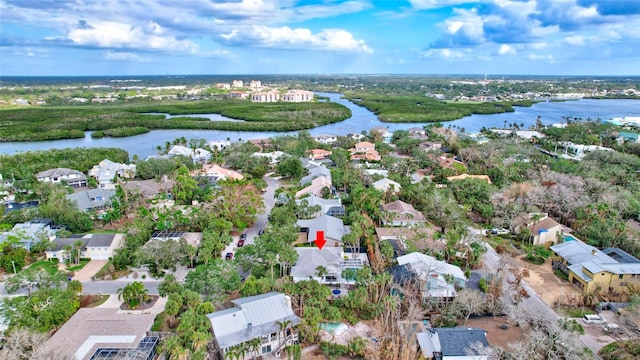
[
  {"x": 269, "y": 201},
  {"x": 89, "y": 270}
]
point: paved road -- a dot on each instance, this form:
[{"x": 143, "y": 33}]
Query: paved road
[
  {"x": 269, "y": 201},
  {"x": 97, "y": 287}
]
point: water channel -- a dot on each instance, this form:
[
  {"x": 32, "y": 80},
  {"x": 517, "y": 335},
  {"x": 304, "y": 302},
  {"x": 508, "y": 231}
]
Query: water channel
[{"x": 362, "y": 119}]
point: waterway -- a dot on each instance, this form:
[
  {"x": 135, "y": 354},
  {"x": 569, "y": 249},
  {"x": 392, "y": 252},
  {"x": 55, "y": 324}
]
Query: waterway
[{"x": 361, "y": 119}]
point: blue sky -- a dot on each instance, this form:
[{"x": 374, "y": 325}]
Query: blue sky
[{"x": 156, "y": 37}]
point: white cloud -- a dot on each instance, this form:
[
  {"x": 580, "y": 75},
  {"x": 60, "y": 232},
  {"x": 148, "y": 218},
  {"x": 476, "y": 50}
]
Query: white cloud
[
  {"x": 506, "y": 50},
  {"x": 125, "y": 56},
  {"x": 576, "y": 40},
  {"x": 435, "y": 4},
  {"x": 298, "y": 38},
  {"x": 146, "y": 36},
  {"x": 443, "y": 54}
]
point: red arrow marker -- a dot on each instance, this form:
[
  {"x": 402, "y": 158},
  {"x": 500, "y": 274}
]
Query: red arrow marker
[{"x": 320, "y": 241}]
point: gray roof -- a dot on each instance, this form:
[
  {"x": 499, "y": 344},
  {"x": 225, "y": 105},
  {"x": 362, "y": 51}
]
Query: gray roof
[
  {"x": 580, "y": 255},
  {"x": 577, "y": 252},
  {"x": 451, "y": 341},
  {"x": 101, "y": 240},
  {"x": 310, "y": 258},
  {"x": 60, "y": 243},
  {"x": 314, "y": 173},
  {"x": 88, "y": 199},
  {"x": 620, "y": 255},
  {"x": 325, "y": 204},
  {"x": 333, "y": 227},
  {"x": 251, "y": 317},
  {"x": 89, "y": 240},
  {"x": 58, "y": 172}
]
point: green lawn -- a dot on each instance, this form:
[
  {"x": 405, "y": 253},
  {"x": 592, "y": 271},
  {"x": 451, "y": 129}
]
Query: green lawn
[
  {"x": 50, "y": 266},
  {"x": 74, "y": 268}
]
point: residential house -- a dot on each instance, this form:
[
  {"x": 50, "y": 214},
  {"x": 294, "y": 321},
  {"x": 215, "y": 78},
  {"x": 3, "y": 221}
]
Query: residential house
[
  {"x": 580, "y": 150},
  {"x": 332, "y": 260},
  {"x": 384, "y": 133},
  {"x": 219, "y": 144},
  {"x": 325, "y": 139},
  {"x": 387, "y": 184},
  {"x": 106, "y": 171},
  {"x": 467, "y": 176},
  {"x": 318, "y": 154},
  {"x": 29, "y": 233},
  {"x": 237, "y": 83},
  {"x": 316, "y": 186},
  {"x": 399, "y": 213},
  {"x": 590, "y": 269},
  {"x": 298, "y": 96},
  {"x": 416, "y": 131},
  {"x": 223, "y": 86},
  {"x": 431, "y": 146},
  {"x": 332, "y": 227},
  {"x": 73, "y": 178},
  {"x": 355, "y": 136},
  {"x": 624, "y": 136},
  {"x": 255, "y": 317},
  {"x": 149, "y": 189},
  {"x": 453, "y": 343},
  {"x": 544, "y": 231},
  {"x": 439, "y": 280},
  {"x": 375, "y": 172},
  {"x": 199, "y": 156},
  {"x": 92, "y": 199},
  {"x": 420, "y": 175},
  {"x": 255, "y": 84},
  {"x": 447, "y": 133},
  {"x": 448, "y": 162},
  {"x": 365, "y": 151},
  {"x": 314, "y": 173},
  {"x": 274, "y": 156},
  {"x": 332, "y": 207},
  {"x": 263, "y": 144},
  {"x": 93, "y": 246},
  {"x": 217, "y": 172}
]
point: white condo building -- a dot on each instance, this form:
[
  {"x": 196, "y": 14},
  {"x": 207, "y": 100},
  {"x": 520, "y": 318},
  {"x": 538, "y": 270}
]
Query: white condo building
[{"x": 298, "y": 96}]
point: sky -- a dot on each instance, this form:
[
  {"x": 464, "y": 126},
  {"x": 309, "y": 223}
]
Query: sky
[{"x": 180, "y": 37}]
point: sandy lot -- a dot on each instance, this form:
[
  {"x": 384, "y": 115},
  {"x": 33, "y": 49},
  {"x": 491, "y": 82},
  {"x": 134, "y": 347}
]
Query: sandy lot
[
  {"x": 546, "y": 284},
  {"x": 496, "y": 336}
]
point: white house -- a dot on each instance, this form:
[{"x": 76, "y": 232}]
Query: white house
[
  {"x": 325, "y": 265},
  {"x": 219, "y": 144},
  {"x": 274, "y": 156},
  {"x": 433, "y": 273},
  {"x": 93, "y": 246},
  {"x": 199, "y": 156},
  {"x": 386, "y": 184},
  {"x": 73, "y": 178},
  {"x": 106, "y": 171},
  {"x": 255, "y": 317},
  {"x": 399, "y": 213},
  {"x": 325, "y": 139}
]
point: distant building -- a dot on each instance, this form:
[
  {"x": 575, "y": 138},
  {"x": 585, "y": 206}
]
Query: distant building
[
  {"x": 325, "y": 139},
  {"x": 255, "y": 84},
  {"x": 106, "y": 171},
  {"x": 199, "y": 156},
  {"x": 223, "y": 86},
  {"x": 219, "y": 144},
  {"x": 237, "y": 84},
  {"x": 298, "y": 96},
  {"x": 267, "y": 96},
  {"x": 238, "y": 95}
]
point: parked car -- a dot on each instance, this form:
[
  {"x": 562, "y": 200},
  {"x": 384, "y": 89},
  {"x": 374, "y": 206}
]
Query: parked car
[
  {"x": 243, "y": 236},
  {"x": 593, "y": 319},
  {"x": 241, "y": 242},
  {"x": 613, "y": 329},
  {"x": 229, "y": 256}
]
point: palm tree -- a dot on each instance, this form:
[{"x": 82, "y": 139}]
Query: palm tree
[
  {"x": 283, "y": 326},
  {"x": 133, "y": 294},
  {"x": 254, "y": 347},
  {"x": 321, "y": 271}
]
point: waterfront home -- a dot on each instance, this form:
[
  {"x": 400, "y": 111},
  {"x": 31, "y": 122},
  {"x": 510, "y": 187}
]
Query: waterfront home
[
  {"x": 219, "y": 144},
  {"x": 298, "y": 96},
  {"x": 268, "y": 317},
  {"x": 198, "y": 156},
  {"x": 92, "y": 199},
  {"x": 73, "y": 178},
  {"x": 107, "y": 171},
  {"x": 325, "y": 139}
]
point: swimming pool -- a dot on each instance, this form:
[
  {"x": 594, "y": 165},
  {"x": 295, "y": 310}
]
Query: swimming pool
[
  {"x": 335, "y": 328},
  {"x": 568, "y": 238}
]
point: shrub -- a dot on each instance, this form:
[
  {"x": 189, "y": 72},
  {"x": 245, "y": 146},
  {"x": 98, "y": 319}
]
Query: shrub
[
  {"x": 560, "y": 274},
  {"x": 482, "y": 284}
]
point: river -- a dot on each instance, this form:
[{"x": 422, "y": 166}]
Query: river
[{"x": 362, "y": 119}]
